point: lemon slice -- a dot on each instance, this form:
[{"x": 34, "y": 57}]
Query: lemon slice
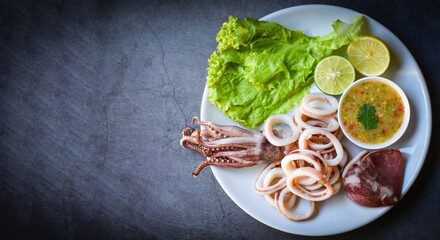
[
  {"x": 369, "y": 55},
  {"x": 334, "y": 74}
]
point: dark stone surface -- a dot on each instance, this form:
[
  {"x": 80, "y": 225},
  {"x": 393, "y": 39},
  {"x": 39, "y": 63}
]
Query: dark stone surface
[{"x": 93, "y": 98}]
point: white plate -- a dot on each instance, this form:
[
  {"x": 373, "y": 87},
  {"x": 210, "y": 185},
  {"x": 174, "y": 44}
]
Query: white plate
[{"x": 338, "y": 214}]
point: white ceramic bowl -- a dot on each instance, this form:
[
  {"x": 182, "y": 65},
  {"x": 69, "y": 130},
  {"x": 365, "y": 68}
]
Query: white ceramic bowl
[{"x": 399, "y": 132}]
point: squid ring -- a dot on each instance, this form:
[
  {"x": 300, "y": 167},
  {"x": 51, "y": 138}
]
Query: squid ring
[
  {"x": 287, "y": 212},
  {"x": 358, "y": 157},
  {"x": 343, "y": 163},
  {"x": 277, "y": 141},
  {"x": 336, "y": 144},
  {"x": 315, "y": 112},
  {"x": 332, "y": 178},
  {"x": 262, "y": 184},
  {"x": 329, "y": 124},
  {"x": 273, "y": 174},
  {"x": 289, "y": 165},
  {"x": 320, "y": 147},
  {"x": 299, "y": 190},
  {"x": 337, "y": 186}
]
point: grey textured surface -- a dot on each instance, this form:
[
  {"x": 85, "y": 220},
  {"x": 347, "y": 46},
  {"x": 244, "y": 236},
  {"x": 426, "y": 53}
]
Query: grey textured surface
[{"x": 93, "y": 98}]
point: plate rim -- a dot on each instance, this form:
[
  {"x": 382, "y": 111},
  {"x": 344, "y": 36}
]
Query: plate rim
[{"x": 427, "y": 135}]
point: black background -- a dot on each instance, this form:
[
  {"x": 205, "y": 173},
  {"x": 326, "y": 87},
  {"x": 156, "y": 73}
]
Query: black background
[{"x": 93, "y": 98}]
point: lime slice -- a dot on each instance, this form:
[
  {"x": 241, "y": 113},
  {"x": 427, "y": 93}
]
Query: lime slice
[
  {"x": 369, "y": 55},
  {"x": 334, "y": 74}
]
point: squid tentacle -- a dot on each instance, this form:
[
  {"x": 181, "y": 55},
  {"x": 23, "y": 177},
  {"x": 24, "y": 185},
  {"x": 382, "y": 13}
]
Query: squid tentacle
[
  {"x": 224, "y": 130},
  {"x": 229, "y": 146},
  {"x": 200, "y": 168},
  {"x": 230, "y": 164}
]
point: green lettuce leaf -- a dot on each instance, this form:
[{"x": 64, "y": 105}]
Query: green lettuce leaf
[{"x": 262, "y": 69}]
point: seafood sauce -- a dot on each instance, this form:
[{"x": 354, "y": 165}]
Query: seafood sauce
[{"x": 389, "y": 109}]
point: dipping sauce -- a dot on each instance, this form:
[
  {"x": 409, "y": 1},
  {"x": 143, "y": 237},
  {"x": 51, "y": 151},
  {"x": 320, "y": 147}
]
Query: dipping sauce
[{"x": 389, "y": 110}]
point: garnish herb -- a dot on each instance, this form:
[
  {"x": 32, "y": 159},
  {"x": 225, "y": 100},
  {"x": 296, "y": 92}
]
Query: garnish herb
[{"x": 367, "y": 117}]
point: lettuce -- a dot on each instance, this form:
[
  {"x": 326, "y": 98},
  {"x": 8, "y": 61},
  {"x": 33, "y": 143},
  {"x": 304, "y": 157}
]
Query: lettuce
[{"x": 262, "y": 69}]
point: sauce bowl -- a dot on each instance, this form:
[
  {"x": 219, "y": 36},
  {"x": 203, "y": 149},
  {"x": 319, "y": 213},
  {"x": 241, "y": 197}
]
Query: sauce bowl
[{"x": 401, "y": 126}]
